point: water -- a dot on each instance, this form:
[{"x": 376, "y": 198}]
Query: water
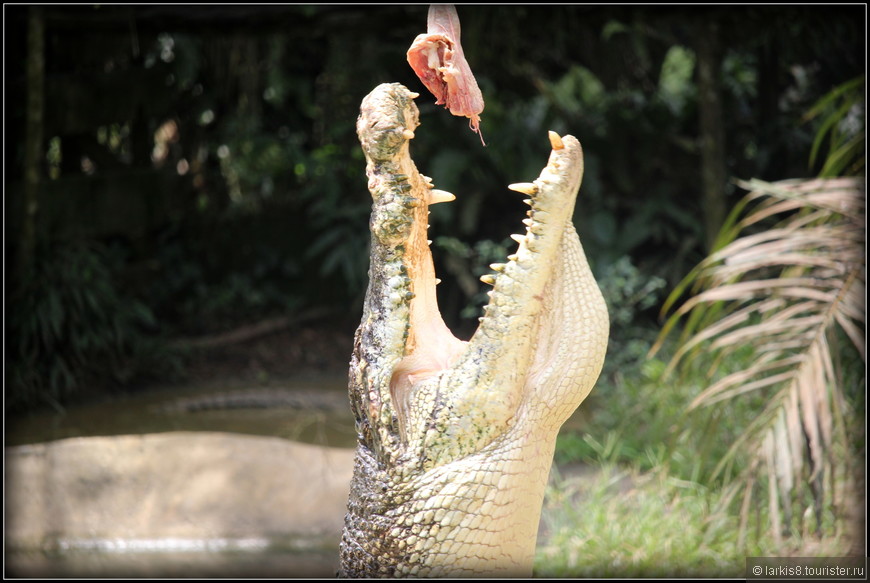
[
  {"x": 330, "y": 424},
  {"x": 151, "y": 412},
  {"x": 172, "y": 558}
]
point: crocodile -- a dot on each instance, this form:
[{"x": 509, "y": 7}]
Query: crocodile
[{"x": 456, "y": 438}]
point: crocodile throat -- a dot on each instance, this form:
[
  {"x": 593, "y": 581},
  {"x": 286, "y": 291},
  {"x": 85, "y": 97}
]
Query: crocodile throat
[{"x": 456, "y": 438}]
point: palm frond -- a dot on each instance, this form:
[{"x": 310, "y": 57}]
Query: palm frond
[
  {"x": 843, "y": 126},
  {"x": 783, "y": 293}
]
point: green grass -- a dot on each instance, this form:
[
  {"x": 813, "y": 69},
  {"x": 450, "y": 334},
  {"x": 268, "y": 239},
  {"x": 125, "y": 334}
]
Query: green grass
[
  {"x": 615, "y": 522},
  {"x": 647, "y": 502},
  {"x": 641, "y": 419},
  {"x": 624, "y": 523}
]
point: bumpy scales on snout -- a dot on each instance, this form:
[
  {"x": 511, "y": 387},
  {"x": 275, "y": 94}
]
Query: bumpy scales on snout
[{"x": 456, "y": 438}]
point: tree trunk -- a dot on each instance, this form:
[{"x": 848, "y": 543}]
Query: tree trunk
[
  {"x": 712, "y": 127},
  {"x": 33, "y": 150}
]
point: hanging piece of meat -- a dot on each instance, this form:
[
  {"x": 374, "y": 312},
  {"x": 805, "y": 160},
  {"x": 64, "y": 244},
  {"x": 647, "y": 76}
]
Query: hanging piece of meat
[{"x": 439, "y": 62}]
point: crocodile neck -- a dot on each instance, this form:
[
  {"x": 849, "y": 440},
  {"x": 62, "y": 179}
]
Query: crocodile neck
[{"x": 456, "y": 439}]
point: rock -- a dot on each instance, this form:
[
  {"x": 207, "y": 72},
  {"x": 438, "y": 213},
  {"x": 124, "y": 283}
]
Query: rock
[{"x": 180, "y": 484}]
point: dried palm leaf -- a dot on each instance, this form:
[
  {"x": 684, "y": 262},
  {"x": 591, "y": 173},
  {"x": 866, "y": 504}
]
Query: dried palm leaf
[{"x": 782, "y": 292}]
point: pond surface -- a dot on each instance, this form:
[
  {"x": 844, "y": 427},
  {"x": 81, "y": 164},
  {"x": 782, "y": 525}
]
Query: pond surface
[
  {"x": 314, "y": 411},
  {"x": 175, "y": 558}
]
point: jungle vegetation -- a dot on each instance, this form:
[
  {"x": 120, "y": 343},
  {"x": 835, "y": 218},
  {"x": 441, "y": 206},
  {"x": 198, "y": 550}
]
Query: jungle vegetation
[{"x": 180, "y": 171}]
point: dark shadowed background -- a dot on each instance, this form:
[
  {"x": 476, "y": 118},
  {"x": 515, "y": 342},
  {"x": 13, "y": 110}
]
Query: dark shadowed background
[{"x": 193, "y": 170}]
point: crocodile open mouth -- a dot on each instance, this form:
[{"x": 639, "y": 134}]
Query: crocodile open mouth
[
  {"x": 533, "y": 322},
  {"x": 431, "y": 347}
]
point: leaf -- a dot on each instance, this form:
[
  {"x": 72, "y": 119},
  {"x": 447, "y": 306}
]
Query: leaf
[
  {"x": 836, "y": 93},
  {"x": 780, "y": 293},
  {"x": 840, "y": 158},
  {"x": 828, "y": 125},
  {"x": 846, "y": 143}
]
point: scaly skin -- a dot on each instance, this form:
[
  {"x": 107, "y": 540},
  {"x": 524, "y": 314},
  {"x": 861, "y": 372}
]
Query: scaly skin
[{"x": 456, "y": 439}]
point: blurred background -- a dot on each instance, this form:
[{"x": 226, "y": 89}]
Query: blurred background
[{"x": 186, "y": 230}]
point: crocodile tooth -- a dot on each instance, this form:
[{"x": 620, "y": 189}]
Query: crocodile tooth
[
  {"x": 413, "y": 94},
  {"x": 497, "y": 267},
  {"x": 528, "y": 222},
  {"x": 529, "y": 188},
  {"x": 437, "y": 281},
  {"x": 488, "y": 278},
  {"x": 408, "y": 134},
  {"x": 555, "y": 140},
  {"x": 512, "y": 257},
  {"x": 518, "y": 238},
  {"x": 435, "y": 196},
  {"x": 528, "y": 201}
]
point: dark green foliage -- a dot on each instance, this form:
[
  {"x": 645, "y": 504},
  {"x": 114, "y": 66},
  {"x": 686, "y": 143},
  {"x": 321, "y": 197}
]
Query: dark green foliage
[
  {"x": 207, "y": 289},
  {"x": 72, "y": 326},
  {"x": 462, "y": 305},
  {"x": 843, "y": 129},
  {"x": 630, "y": 294},
  {"x": 266, "y": 210}
]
